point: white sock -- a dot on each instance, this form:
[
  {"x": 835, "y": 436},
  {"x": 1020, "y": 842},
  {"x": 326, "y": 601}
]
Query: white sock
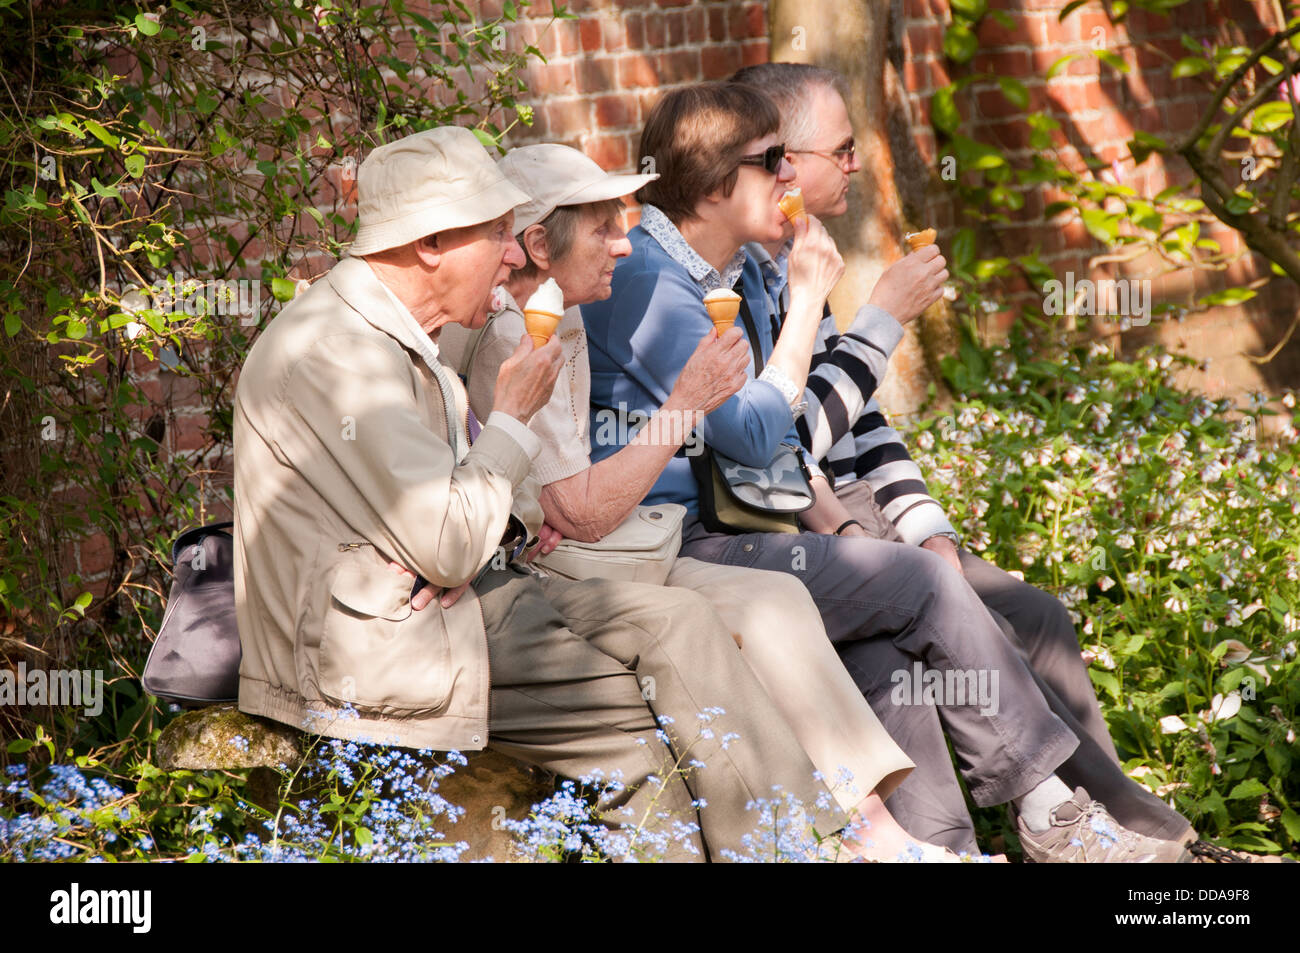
[{"x": 1035, "y": 806}]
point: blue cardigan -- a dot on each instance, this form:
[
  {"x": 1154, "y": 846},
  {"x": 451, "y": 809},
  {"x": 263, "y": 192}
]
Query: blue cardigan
[{"x": 639, "y": 340}]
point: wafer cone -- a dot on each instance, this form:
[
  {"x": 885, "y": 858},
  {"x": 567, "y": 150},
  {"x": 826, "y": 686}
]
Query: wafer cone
[
  {"x": 723, "y": 311},
  {"x": 791, "y": 205},
  {"x": 918, "y": 240},
  {"x": 540, "y": 325}
]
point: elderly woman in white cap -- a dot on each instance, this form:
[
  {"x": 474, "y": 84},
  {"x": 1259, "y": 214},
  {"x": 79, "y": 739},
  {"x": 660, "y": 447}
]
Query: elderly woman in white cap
[
  {"x": 358, "y": 467},
  {"x": 571, "y": 233}
]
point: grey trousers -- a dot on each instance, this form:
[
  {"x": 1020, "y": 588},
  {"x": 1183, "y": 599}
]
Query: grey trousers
[
  {"x": 1040, "y": 629},
  {"x": 581, "y": 670},
  {"x": 905, "y": 616}
]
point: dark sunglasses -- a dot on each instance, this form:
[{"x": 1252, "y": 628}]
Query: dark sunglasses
[{"x": 770, "y": 159}]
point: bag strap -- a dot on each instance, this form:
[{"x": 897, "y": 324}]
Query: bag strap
[
  {"x": 752, "y": 330},
  {"x": 191, "y": 536},
  {"x": 475, "y": 339}
]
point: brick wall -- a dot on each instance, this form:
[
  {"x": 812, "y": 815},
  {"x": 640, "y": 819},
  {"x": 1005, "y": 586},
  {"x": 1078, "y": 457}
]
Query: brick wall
[
  {"x": 1099, "y": 109},
  {"x": 607, "y": 68}
]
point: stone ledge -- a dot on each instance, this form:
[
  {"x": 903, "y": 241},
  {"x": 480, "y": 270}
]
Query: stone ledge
[{"x": 490, "y": 787}]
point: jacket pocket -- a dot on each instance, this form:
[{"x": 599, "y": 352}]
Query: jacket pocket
[{"x": 375, "y": 652}]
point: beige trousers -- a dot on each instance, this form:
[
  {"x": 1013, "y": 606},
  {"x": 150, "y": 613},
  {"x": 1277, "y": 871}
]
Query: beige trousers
[{"x": 773, "y": 618}]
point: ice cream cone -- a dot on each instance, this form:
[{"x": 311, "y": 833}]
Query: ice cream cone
[
  {"x": 918, "y": 240},
  {"x": 791, "y": 205},
  {"x": 540, "y": 325},
  {"x": 723, "y": 306}
]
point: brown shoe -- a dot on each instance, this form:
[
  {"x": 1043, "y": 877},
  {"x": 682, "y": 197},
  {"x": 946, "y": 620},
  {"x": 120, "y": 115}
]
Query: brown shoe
[{"x": 1083, "y": 832}]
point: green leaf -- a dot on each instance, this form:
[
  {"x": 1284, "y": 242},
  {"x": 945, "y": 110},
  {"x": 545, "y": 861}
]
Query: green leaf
[
  {"x": 147, "y": 25},
  {"x": 1014, "y": 91},
  {"x": 1059, "y": 65},
  {"x": 1069, "y": 8},
  {"x": 1113, "y": 60},
  {"x": 100, "y": 133},
  {"x": 1291, "y": 821},
  {"x": 1101, "y": 225},
  {"x": 283, "y": 289},
  {"x": 1271, "y": 116},
  {"x": 1190, "y": 66},
  {"x": 1250, "y": 788},
  {"x": 1228, "y": 296},
  {"x": 943, "y": 110},
  {"x": 135, "y": 165},
  {"x": 972, "y": 10},
  {"x": 20, "y": 746},
  {"x": 13, "y": 324}
]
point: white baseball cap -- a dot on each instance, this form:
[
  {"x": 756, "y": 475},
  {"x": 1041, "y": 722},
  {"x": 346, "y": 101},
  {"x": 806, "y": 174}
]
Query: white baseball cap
[
  {"x": 556, "y": 175},
  {"x": 425, "y": 183}
]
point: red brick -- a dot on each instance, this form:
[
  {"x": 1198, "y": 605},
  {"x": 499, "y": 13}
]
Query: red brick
[
  {"x": 672, "y": 3},
  {"x": 717, "y": 24},
  {"x": 566, "y": 118},
  {"x": 679, "y": 66},
  {"x": 609, "y": 152},
  {"x": 1003, "y": 63},
  {"x": 695, "y": 28},
  {"x": 655, "y": 31},
  {"x": 590, "y": 31},
  {"x": 190, "y": 432},
  {"x": 597, "y": 74},
  {"x": 753, "y": 52},
  {"x": 569, "y": 33},
  {"x": 719, "y": 62},
  {"x": 637, "y": 70},
  {"x": 675, "y": 28},
  {"x": 635, "y": 26},
  {"x": 96, "y": 555},
  {"x": 615, "y": 111},
  {"x": 551, "y": 78},
  {"x": 615, "y": 34},
  {"x": 991, "y": 33},
  {"x": 1181, "y": 116}
]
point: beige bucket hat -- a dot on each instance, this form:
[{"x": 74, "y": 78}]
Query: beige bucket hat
[
  {"x": 556, "y": 175},
  {"x": 425, "y": 183}
]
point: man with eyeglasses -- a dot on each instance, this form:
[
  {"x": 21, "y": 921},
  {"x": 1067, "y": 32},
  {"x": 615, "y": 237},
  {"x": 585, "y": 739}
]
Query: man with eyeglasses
[
  {"x": 720, "y": 180},
  {"x": 883, "y": 492}
]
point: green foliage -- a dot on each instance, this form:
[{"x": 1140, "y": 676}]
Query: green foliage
[
  {"x": 167, "y": 176},
  {"x": 1248, "y": 129},
  {"x": 1170, "y": 527}
]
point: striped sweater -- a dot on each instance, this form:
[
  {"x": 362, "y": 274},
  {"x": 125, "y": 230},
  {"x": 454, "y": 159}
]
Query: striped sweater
[{"x": 843, "y": 426}]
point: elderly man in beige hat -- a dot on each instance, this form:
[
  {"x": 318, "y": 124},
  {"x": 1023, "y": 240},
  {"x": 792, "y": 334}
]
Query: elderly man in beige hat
[
  {"x": 360, "y": 467},
  {"x": 570, "y": 232}
]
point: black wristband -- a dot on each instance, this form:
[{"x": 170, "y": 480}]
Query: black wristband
[{"x": 849, "y": 522}]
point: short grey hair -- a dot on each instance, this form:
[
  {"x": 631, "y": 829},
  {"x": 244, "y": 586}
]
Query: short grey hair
[
  {"x": 561, "y": 226},
  {"x": 790, "y": 85}
]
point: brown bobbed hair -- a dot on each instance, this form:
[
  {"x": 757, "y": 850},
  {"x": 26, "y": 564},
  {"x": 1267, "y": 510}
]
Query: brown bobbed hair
[{"x": 694, "y": 138}]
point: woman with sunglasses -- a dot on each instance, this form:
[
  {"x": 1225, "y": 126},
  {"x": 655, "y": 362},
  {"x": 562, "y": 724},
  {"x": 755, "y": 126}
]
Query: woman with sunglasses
[{"x": 722, "y": 171}]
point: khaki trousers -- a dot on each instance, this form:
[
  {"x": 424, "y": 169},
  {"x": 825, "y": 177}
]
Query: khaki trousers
[
  {"x": 581, "y": 670},
  {"x": 776, "y": 623}
]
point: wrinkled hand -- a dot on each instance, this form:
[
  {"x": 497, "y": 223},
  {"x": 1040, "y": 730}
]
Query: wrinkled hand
[
  {"x": 527, "y": 377},
  {"x": 815, "y": 262},
  {"x": 945, "y": 547},
  {"x": 911, "y": 284},
  {"x": 427, "y": 593},
  {"x": 550, "y": 538},
  {"x": 715, "y": 371}
]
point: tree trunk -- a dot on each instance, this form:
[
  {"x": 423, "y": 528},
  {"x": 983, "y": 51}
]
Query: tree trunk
[{"x": 853, "y": 38}]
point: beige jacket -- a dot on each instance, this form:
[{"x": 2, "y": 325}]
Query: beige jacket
[{"x": 344, "y": 460}]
